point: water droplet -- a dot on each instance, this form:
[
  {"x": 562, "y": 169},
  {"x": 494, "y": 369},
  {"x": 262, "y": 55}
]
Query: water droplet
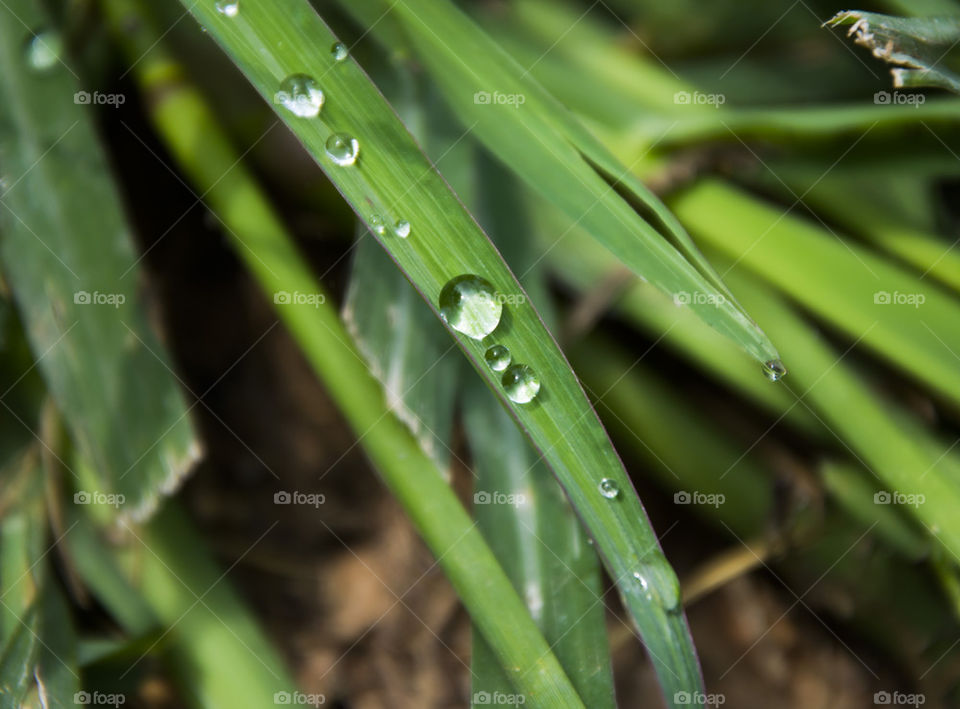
[
  {"x": 343, "y": 149},
  {"x": 402, "y": 229},
  {"x": 608, "y": 488},
  {"x": 44, "y": 50},
  {"x": 659, "y": 583},
  {"x": 498, "y": 357},
  {"x": 301, "y": 95},
  {"x": 378, "y": 224},
  {"x": 774, "y": 370},
  {"x": 339, "y": 52},
  {"x": 641, "y": 581},
  {"x": 521, "y": 383},
  {"x": 469, "y": 304},
  {"x": 228, "y": 8}
]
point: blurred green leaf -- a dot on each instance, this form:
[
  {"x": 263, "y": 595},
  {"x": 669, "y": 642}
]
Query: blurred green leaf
[{"x": 67, "y": 254}]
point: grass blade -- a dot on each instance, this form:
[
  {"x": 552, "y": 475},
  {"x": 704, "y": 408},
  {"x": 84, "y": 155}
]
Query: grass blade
[
  {"x": 394, "y": 179},
  {"x": 542, "y": 142},
  {"x": 72, "y": 272},
  {"x": 908, "y": 321}
]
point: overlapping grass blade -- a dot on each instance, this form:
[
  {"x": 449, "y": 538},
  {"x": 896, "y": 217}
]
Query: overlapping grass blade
[
  {"x": 543, "y": 143},
  {"x": 270, "y": 255},
  {"x": 72, "y": 270}
]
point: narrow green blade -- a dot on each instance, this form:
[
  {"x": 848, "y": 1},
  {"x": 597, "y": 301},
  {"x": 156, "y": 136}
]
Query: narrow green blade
[{"x": 73, "y": 273}]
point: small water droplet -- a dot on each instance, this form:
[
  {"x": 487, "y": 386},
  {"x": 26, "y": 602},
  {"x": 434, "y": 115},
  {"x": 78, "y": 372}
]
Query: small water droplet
[
  {"x": 774, "y": 370},
  {"x": 521, "y": 383},
  {"x": 301, "y": 95},
  {"x": 44, "y": 51},
  {"x": 228, "y": 8},
  {"x": 641, "y": 581},
  {"x": 378, "y": 224},
  {"x": 498, "y": 357},
  {"x": 343, "y": 149},
  {"x": 402, "y": 229},
  {"x": 339, "y": 52},
  {"x": 608, "y": 488},
  {"x": 469, "y": 304},
  {"x": 659, "y": 583}
]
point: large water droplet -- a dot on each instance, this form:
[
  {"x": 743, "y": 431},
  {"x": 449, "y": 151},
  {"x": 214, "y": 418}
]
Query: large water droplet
[
  {"x": 343, "y": 149},
  {"x": 402, "y": 229},
  {"x": 339, "y": 52},
  {"x": 521, "y": 383},
  {"x": 301, "y": 95},
  {"x": 469, "y": 304},
  {"x": 608, "y": 488},
  {"x": 498, "y": 357},
  {"x": 774, "y": 370},
  {"x": 44, "y": 50},
  {"x": 228, "y": 8}
]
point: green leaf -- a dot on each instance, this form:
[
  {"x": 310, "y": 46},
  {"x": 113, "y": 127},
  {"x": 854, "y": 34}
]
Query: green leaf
[
  {"x": 394, "y": 179},
  {"x": 544, "y": 144},
  {"x": 918, "y": 46},
  {"x": 68, "y": 257}
]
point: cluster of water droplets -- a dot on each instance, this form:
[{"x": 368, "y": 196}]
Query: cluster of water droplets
[{"x": 469, "y": 304}]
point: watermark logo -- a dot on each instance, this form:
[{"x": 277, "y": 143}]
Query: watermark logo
[
  {"x": 699, "y": 699},
  {"x": 312, "y": 499},
  {"x": 82, "y": 297},
  {"x": 282, "y": 297},
  {"x": 85, "y": 98},
  {"x": 482, "y": 497},
  {"x": 899, "y": 498},
  {"x": 498, "y": 98},
  {"x": 499, "y": 698},
  {"x": 99, "y": 698},
  {"x": 94, "y": 497},
  {"x": 882, "y": 297},
  {"x": 697, "y": 298},
  {"x": 695, "y": 497},
  {"x": 699, "y": 98},
  {"x": 899, "y": 699},
  {"x": 511, "y": 298},
  {"x": 299, "y": 699},
  {"x": 898, "y": 98}
]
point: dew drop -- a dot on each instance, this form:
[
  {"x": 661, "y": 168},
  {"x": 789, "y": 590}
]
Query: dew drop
[
  {"x": 301, "y": 95},
  {"x": 659, "y": 584},
  {"x": 641, "y": 581},
  {"x": 608, "y": 488},
  {"x": 521, "y": 383},
  {"x": 402, "y": 229},
  {"x": 228, "y": 8},
  {"x": 343, "y": 149},
  {"x": 44, "y": 50},
  {"x": 774, "y": 370},
  {"x": 339, "y": 52},
  {"x": 498, "y": 357},
  {"x": 469, "y": 304},
  {"x": 378, "y": 224}
]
